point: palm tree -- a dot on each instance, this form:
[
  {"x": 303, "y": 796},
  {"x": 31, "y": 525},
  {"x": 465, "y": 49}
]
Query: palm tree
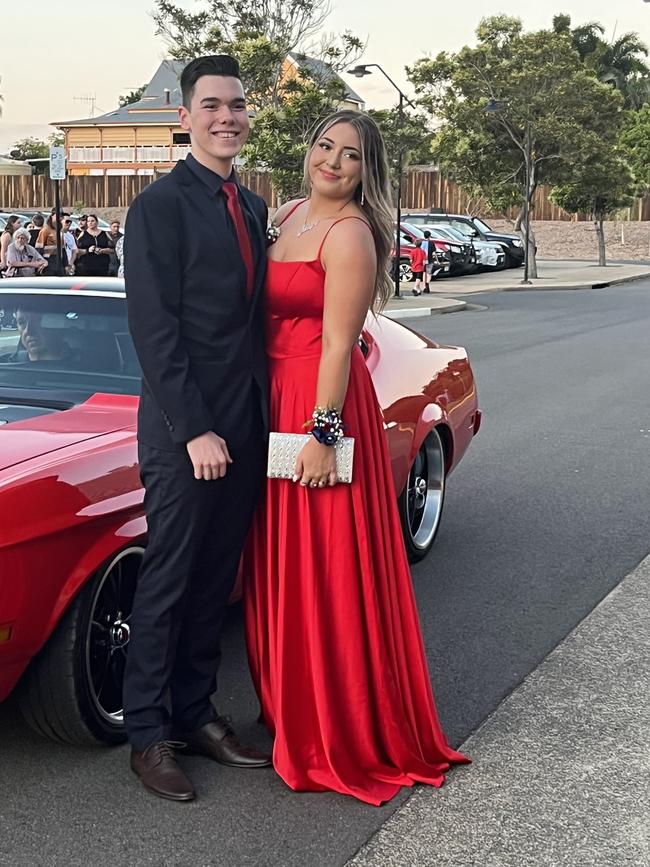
[
  {"x": 586, "y": 39},
  {"x": 620, "y": 63}
]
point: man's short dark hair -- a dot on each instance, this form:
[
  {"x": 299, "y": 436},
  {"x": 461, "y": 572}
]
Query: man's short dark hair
[
  {"x": 427, "y": 233},
  {"x": 38, "y": 219},
  {"x": 213, "y": 64}
]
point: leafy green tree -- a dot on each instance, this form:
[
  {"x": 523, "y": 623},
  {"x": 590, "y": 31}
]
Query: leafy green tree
[
  {"x": 260, "y": 33},
  {"x": 599, "y": 186},
  {"x": 33, "y": 148},
  {"x": 409, "y": 134},
  {"x": 635, "y": 142},
  {"x": 29, "y": 149},
  {"x": 134, "y": 96},
  {"x": 545, "y": 102},
  {"x": 587, "y": 39},
  {"x": 280, "y": 134}
]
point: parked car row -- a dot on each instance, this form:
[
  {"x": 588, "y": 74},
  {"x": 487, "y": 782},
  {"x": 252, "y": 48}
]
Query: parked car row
[{"x": 463, "y": 245}]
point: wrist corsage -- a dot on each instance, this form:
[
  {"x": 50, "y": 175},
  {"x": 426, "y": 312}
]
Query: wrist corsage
[{"x": 326, "y": 426}]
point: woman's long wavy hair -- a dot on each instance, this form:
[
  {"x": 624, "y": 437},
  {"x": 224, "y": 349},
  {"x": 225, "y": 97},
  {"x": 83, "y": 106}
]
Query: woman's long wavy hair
[
  {"x": 10, "y": 225},
  {"x": 375, "y": 188}
]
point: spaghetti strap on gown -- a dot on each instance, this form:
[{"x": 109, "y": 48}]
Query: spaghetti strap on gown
[{"x": 332, "y": 629}]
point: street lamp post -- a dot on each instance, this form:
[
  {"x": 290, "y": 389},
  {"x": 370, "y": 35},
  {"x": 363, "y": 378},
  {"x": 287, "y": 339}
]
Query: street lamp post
[
  {"x": 528, "y": 160},
  {"x": 495, "y": 107},
  {"x": 359, "y": 72}
]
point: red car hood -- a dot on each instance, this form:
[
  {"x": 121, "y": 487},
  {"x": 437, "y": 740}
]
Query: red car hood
[{"x": 29, "y": 438}]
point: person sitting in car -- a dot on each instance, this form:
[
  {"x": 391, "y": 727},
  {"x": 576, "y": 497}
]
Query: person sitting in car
[
  {"x": 37, "y": 343},
  {"x": 23, "y": 260}
]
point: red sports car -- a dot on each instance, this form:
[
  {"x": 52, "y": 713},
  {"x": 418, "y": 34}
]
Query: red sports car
[{"x": 72, "y": 528}]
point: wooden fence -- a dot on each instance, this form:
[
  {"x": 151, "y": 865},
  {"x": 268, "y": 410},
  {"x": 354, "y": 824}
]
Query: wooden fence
[
  {"x": 422, "y": 188},
  {"x": 107, "y": 191}
]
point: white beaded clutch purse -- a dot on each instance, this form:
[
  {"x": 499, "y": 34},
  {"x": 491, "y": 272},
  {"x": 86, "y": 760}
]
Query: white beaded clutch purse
[{"x": 284, "y": 449}]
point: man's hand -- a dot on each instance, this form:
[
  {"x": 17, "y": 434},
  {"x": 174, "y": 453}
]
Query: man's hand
[{"x": 209, "y": 455}]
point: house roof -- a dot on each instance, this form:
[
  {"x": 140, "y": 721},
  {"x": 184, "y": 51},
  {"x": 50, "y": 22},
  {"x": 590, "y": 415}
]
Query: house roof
[
  {"x": 156, "y": 108},
  {"x": 323, "y": 71},
  {"x": 153, "y": 108}
]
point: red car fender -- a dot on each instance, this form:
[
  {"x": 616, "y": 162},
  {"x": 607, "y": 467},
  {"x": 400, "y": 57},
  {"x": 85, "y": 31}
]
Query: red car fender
[
  {"x": 102, "y": 550},
  {"x": 433, "y": 416}
]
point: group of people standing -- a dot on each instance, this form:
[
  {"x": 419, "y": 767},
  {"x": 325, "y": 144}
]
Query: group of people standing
[
  {"x": 87, "y": 250},
  {"x": 242, "y": 330}
]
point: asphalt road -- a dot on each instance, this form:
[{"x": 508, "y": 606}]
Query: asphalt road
[{"x": 546, "y": 513}]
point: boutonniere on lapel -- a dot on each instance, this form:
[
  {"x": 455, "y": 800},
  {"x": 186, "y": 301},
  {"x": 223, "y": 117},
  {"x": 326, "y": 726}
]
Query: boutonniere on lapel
[{"x": 272, "y": 234}]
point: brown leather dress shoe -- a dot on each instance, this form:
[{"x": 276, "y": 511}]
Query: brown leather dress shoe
[
  {"x": 160, "y": 773},
  {"x": 217, "y": 741}
]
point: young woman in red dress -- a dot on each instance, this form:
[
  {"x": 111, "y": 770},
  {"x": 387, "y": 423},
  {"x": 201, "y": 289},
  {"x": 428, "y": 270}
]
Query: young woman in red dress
[{"x": 332, "y": 628}]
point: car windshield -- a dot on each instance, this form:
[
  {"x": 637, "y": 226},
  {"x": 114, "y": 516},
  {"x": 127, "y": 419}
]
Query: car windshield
[
  {"x": 437, "y": 233},
  {"x": 454, "y": 234},
  {"x": 417, "y": 219},
  {"x": 413, "y": 231},
  {"x": 66, "y": 342},
  {"x": 481, "y": 225}
]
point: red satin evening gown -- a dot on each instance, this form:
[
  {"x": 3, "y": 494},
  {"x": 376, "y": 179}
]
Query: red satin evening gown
[{"x": 332, "y": 628}]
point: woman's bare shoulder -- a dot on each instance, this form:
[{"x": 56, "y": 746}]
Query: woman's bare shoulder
[
  {"x": 284, "y": 210},
  {"x": 350, "y": 230}
]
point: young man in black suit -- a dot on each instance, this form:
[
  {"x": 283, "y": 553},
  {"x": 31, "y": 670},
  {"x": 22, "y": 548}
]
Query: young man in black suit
[{"x": 195, "y": 258}]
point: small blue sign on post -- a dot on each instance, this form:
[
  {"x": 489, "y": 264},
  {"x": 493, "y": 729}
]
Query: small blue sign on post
[
  {"x": 57, "y": 174},
  {"x": 57, "y": 163}
]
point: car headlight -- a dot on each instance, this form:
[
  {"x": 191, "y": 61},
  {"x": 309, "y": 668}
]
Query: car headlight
[{"x": 517, "y": 243}]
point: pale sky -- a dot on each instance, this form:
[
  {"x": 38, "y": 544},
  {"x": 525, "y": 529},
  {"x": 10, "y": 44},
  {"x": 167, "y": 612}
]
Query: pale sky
[{"x": 105, "y": 49}]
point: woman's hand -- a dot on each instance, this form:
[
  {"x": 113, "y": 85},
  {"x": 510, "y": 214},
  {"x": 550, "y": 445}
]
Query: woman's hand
[{"x": 316, "y": 465}]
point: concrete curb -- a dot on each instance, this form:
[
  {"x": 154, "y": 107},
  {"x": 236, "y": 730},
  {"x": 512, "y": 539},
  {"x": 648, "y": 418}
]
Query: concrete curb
[
  {"x": 416, "y": 312},
  {"x": 576, "y": 286}
]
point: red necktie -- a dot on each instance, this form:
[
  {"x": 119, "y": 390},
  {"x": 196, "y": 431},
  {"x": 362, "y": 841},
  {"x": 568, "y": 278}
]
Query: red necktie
[{"x": 235, "y": 211}]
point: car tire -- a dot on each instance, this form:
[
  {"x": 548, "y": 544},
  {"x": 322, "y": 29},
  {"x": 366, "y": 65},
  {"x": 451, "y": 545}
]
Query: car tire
[
  {"x": 421, "y": 501},
  {"x": 72, "y": 691}
]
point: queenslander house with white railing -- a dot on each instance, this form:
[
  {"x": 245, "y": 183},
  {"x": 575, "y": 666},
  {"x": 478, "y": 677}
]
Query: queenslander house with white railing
[{"x": 145, "y": 137}]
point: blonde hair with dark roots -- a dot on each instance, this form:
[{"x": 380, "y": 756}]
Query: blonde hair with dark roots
[{"x": 376, "y": 189}]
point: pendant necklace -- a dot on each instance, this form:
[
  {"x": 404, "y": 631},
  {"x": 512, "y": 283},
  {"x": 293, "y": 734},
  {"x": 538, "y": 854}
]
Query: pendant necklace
[{"x": 307, "y": 227}]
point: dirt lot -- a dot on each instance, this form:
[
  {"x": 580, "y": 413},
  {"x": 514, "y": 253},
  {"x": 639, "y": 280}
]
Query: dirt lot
[{"x": 559, "y": 240}]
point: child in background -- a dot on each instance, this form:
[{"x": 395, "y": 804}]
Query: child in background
[{"x": 418, "y": 258}]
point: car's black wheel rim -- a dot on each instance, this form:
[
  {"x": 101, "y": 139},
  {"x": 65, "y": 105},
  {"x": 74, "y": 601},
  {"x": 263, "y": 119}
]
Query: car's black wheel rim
[
  {"x": 425, "y": 491},
  {"x": 108, "y": 633}
]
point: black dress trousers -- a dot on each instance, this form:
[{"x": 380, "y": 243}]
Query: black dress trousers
[{"x": 197, "y": 530}]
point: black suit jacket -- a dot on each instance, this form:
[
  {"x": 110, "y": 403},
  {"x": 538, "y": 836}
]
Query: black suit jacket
[{"x": 199, "y": 339}]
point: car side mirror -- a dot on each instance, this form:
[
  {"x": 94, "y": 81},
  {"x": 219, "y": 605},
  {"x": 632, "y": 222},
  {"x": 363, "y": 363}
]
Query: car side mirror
[{"x": 408, "y": 239}]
